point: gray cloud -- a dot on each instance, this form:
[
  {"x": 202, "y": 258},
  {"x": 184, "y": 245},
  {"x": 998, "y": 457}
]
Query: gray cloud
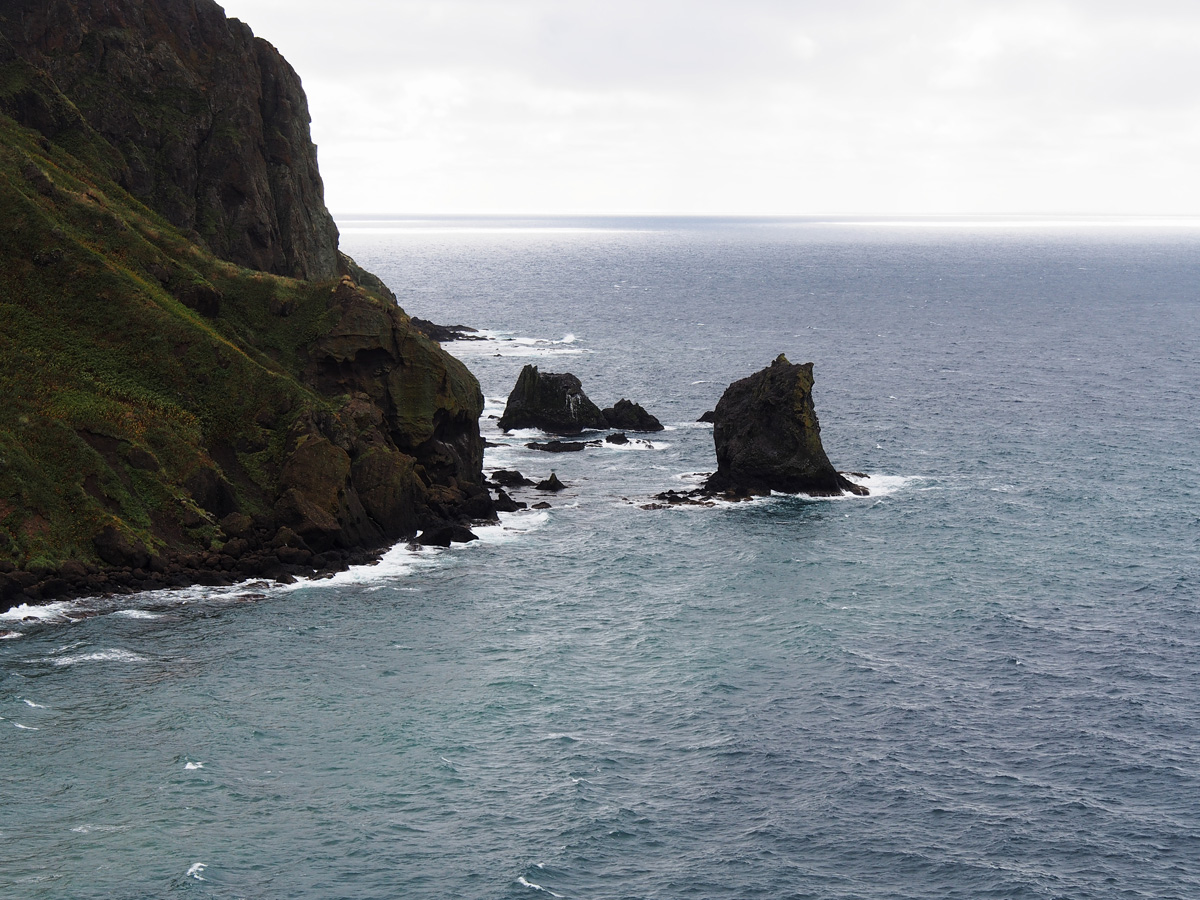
[{"x": 716, "y": 105}]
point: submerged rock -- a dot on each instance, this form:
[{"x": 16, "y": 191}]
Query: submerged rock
[
  {"x": 552, "y": 401},
  {"x": 629, "y": 416},
  {"x": 617, "y": 438},
  {"x": 768, "y": 439}
]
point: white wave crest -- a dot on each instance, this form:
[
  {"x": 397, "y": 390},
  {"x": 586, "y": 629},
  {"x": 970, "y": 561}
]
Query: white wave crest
[
  {"x": 50, "y": 612},
  {"x": 125, "y": 656},
  {"x": 137, "y": 614},
  {"x": 537, "y": 887}
]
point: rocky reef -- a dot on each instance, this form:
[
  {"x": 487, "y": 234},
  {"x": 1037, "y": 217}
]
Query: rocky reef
[
  {"x": 179, "y": 406},
  {"x": 197, "y": 117},
  {"x": 768, "y": 439},
  {"x": 552, "y": 401},
  {"x": 555, "y": 403}
]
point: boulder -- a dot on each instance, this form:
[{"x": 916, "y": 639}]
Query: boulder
[
  {"x": 505, "y": 503},
  {"x": 553, "y": 401},
  {"x": 629, "y": 416},
  {"x": 551, "y": 484},
  {"x": 118, "y": 549},
  {"x": 617, "y": 438},
  {"x": 510, "y": 478},
  {"x": 768, "y": 439},
  {"x": 561, "y": 446},
  {"x": 445, "y": 535}
]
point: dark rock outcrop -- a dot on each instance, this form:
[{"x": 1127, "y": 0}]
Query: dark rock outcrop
[
  {"x": 554, "y": 402},
  {"x": 444, "y": 333},
  {"x": 551, "y": 484},
  {"x": 561, "y": 446},
  {"x": 207, "y": 124},
  {"x": 510, "y": 478},
  {"x": 768, "y": 438},
  {"x": 629, "y": 416}
]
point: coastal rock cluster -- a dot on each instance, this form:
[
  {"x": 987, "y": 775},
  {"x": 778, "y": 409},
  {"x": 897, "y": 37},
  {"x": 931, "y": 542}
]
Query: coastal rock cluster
[{"x": 555, "y": 402}]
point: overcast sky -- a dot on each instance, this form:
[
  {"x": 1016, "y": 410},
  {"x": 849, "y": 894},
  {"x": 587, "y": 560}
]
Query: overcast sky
[{"x": 748, "y": 107}]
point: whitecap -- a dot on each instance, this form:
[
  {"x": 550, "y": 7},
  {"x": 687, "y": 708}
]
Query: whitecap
[
  {"x": 137, "y": 614},
  {"x": 31, "y": 704},
  {"x": 636, "y": 444},
  {"x": 89, "y": 828},
  {"x": 398, "y": 562},
  {"x": 512, "y": 526},
  {"x": 197, "y": 871},
  {"x": 99, "y": 656},
  {"x": 26, "y": 727},
  {"x": 10, "y": 635},
  {"x": 537, "y": 887},
  {"x": 193, "y": 766},
  {"x": 49, "y": 612}
]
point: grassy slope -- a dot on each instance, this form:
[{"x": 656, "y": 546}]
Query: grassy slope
[{"x": 112, "y": 389}]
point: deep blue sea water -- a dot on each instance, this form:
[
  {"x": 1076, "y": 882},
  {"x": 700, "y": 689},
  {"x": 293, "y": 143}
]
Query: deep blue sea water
[{"x": 982, "y": 681}]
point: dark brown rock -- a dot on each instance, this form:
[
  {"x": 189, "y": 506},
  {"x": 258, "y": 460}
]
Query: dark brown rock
[
  {"x": 554, "y": 402},
  {"x": 551, "y": 484},
  {"x": 768, "y": 438},
  {"x": 118, "y": 549},
  {"x": 445, "y": 535},
  {"x": 630, "y": 416},
  {"x": 505, "y": 503},
  {"x": 561, "y": 446},
  {"x": 510, "y": 478}
]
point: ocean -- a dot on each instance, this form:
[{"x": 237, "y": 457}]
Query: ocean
[{"x": 980, "y": 681}]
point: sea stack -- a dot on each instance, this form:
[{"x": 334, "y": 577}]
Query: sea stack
[
  {"x": 768, "y": 439},
  {"x": 552, "y": 401}
]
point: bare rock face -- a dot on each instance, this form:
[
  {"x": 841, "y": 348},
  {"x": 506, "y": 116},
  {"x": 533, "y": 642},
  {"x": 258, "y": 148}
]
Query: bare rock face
[
  {"x": 768, "y": 438},
  {"x": 209, "y": 124},
  {"x": 404, "y": 452},
  {"x": 552, "y": 401}
]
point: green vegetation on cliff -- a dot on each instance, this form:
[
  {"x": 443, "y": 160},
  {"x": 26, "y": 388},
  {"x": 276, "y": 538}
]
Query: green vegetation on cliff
[{"x": 150, "y": 389}]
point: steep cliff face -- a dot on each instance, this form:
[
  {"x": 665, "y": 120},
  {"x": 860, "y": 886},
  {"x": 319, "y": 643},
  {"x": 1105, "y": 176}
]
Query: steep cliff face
[{"x": 209, "y": 125}]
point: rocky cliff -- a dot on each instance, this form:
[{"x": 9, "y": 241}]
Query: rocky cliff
[
  {"x": 170, "y": 414},
  {"x": 204, "y": 122}
]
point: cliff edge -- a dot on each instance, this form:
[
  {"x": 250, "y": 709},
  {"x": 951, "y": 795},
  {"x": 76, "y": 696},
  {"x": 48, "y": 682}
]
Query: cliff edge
[{"x": 197, "y": 386}]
